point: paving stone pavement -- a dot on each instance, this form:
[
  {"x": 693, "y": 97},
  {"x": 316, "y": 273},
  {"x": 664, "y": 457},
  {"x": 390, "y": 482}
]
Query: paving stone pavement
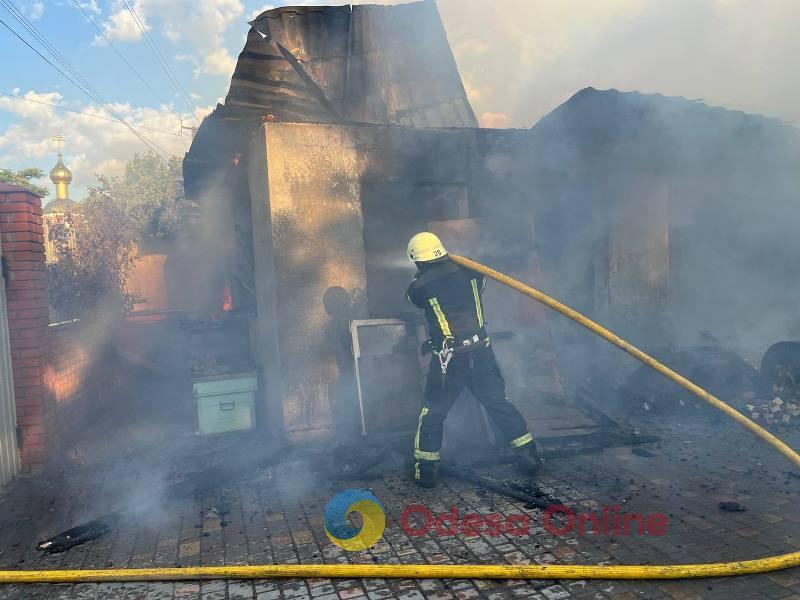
[{"x": 277, "y": 518}]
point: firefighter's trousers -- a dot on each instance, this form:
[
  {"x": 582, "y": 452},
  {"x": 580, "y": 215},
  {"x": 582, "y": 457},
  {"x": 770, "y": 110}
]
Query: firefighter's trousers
[{"x": 478, "y": 371}]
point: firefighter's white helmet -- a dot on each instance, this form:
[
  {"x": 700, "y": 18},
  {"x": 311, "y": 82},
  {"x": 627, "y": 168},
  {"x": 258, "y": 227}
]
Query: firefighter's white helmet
[{"x": 425, "y": 247}]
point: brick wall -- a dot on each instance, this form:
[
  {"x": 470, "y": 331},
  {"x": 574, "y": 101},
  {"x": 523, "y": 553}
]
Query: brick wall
[
  {"x": 80, "y": 380},
  {"x": 63, "y": 373},
  {"x": 21, "y": 235}
]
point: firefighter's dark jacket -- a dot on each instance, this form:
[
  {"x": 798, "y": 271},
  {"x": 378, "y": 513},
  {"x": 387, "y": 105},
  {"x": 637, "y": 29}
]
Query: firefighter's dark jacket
[{"x": 450, "y": 295}]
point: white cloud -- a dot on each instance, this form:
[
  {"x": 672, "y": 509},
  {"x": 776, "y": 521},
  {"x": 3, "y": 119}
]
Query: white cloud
[
  {"x": 205, "y": 29},
  {"x": 90, "y": 6},
  {"x": 219, "y": 62},
  {"x": 255, "y": 13},
  {"x": 36, "y": 10},
  {"x": 32, "y": 9},
  {"x": 92, "y": 145},
  {"x": 122, "y": 26},
  {"x": 33, "y": 109},
  {"x": 197, "y": 26},
  {"x": 111, "y": 167},
  {"x": 475, "y": 91}
]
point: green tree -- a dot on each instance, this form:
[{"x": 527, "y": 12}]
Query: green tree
[
  {"x": 151, "y": 190},
  {"x": 94, "y": 249},
  {"x": 25, "y": 177},
  {"x": 95, "y": 244}
]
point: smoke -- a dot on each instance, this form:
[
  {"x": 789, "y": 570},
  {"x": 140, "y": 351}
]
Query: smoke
[
  {"x": 601, "y": 178},
  {"x": 522, "y": 58},
  {"x": 690, "y": 204},
  {"x": 134, "y": 438}
]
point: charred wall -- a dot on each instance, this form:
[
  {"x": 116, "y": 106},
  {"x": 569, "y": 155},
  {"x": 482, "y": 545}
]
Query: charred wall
[
  {"x": 310, "y": 274},
  {"x": 334, "y": 207},
  {"x": 686, "y": 210},
  {"x": 365, "y": 63}
]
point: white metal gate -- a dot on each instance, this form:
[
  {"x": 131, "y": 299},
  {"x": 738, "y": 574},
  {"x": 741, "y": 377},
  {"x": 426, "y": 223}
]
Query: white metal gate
[{"x": 9, "y": 456}]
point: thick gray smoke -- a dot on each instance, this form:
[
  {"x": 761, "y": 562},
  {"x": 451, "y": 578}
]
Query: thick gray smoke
[
  {"x": 678, "y": 203},
  {"x": 520, "y": 59},
  {"x": 726, "y": 184}
]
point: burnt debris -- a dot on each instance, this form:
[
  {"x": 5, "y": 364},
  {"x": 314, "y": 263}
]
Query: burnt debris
[{"x": 192, "y": 484}]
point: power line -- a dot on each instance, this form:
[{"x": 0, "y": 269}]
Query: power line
[
  {"x": 71, "y": 75},
  {"x": 76, "y": 78},
  {"x": 80, "y": 112},
  {"x": 125, "y": 60},
  {"x": 42, "y": 56},
  {"x": 140, "y": 24},
  {"x": 130, "y": 66}
]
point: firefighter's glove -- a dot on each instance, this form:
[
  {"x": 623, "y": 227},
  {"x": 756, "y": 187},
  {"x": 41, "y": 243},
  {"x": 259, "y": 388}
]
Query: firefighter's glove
[{"x": 426, "y": 348}]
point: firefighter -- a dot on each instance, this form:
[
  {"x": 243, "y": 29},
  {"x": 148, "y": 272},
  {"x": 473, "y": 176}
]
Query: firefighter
[{"x": 463, "y": 357}]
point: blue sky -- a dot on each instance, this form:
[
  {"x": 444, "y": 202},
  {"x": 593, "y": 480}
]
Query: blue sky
[
  {"x": 199, "y": 41},
  {"x": 519, "y": 59},
  {"x": 64, "y": 25},
  {"x": 72, "y": 34}
]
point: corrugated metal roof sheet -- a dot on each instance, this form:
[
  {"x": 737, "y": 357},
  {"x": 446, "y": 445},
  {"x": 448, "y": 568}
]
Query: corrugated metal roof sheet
[
  {"x": 374, "y": 64},
  {"x": 366, "y": 63},
  {"x": 265, "y": 81}
]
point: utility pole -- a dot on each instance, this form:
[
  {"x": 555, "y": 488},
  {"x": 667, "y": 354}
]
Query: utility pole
[{"x": 192, "y": 128}]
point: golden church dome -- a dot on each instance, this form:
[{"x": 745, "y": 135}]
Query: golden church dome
[{"x": 60, "y": 173}]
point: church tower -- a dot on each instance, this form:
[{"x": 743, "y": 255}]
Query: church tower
[
  {"x": 61, "y": 176},
  {"x": 57, "y": 214}
]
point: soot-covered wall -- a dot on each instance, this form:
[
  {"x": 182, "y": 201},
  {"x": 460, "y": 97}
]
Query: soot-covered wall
[{"x": 333, "y": 209}]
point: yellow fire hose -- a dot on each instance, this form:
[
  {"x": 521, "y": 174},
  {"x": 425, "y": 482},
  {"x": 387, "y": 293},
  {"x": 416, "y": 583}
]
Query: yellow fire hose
[
  {"x": 352, "y": 571},
  {"x": 633, "y": 351}
]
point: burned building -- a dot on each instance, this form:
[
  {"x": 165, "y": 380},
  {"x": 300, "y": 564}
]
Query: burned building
[
  {"x": 686, "y": 212},
  {"x": 347, "y": 129}
]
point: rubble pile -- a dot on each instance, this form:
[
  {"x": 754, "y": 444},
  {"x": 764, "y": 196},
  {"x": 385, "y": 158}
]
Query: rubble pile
[
  {"x": 784, "y": 408},
  {"x": 769, "y": 396},
  {"x": 780, "y": 370},
  {"x": 722, "y": 372}
]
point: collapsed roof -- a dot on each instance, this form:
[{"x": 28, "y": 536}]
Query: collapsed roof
[
  {"x": 328, "y": 64},
  {"x": 366, "y": 63},
  {"x": 672, "y": 132}
]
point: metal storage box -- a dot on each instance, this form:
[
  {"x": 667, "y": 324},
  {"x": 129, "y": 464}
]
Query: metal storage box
[{"x": 224, "y": 403}]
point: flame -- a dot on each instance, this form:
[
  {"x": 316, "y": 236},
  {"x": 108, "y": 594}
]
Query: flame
[{"x": 227, "y": 299}]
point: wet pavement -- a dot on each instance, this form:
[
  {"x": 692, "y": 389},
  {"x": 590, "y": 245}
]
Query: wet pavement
[{"x": 275, "y": 516}]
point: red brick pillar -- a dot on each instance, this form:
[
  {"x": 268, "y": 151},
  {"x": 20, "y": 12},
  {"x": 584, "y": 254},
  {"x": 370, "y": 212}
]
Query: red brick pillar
[{"x": 22, "y": 240}]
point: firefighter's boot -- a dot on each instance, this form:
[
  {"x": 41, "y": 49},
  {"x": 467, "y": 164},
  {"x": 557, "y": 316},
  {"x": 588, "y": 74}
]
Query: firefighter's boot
[
  {"x": 528, "y": 458},
  {"x": 426, "y": 473}
]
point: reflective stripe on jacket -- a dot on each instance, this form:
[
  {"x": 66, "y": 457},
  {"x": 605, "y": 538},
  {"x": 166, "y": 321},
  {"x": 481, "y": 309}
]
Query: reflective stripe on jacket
[{"x": 450, "y": 295}]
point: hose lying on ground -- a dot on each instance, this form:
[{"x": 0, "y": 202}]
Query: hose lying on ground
[
  {"x": 425, "y": 571},
  {"x": 359, "y": 571}
]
